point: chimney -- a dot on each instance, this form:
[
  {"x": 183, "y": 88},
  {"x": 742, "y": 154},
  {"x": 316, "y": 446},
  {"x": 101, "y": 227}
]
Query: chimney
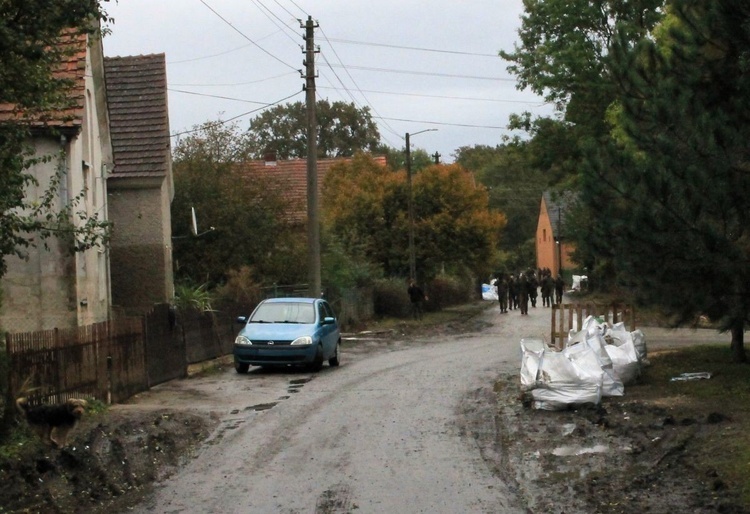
[{"x": 270, "y": 158}]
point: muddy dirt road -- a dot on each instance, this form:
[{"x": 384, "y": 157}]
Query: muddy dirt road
[
  {"x": 384, "y": 432},
  {"x": 414, "y": 425}
]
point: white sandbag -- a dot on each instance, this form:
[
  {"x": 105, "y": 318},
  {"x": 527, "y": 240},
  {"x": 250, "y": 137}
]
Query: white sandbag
[
  {"x": 489, "y": 292},
  {"x": 591, "y": 355},
  {"x": 532, "y": 351},
  {"x": 561, "y": 382},
  {"x": 627, "y": 366},
  {"x": 639, "y": 341}
]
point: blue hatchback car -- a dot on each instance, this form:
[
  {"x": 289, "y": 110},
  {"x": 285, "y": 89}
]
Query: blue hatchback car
[{"x": 288, "y": 331}]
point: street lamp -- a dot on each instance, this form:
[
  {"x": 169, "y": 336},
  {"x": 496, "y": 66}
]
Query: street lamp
[{"x": 412, "y": 259}]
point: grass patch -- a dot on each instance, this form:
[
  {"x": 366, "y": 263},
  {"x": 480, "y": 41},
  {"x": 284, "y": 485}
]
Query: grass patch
[
  {"x": 721, "y": 404},
  {"x": 453, "y": 314}
]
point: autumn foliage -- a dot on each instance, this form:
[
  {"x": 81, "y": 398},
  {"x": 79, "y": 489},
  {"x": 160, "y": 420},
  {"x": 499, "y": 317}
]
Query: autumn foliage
[{"x": 365, "y": 205}]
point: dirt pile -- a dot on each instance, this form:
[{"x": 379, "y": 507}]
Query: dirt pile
[{"x": 111, "y": 460}]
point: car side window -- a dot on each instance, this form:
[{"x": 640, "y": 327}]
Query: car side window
[
  {"x": 329, "y": 310},
  {"x": 321, "y": 311}
]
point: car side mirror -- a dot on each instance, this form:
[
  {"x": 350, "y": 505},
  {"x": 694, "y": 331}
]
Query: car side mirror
[{"x": 241, "y": 319}]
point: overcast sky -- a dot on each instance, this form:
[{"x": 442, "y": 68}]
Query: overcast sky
[{"x": 417, "y": 64}]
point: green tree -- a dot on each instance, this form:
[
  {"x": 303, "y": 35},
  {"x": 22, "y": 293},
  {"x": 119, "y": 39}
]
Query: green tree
[
  {"x": 343, "y": 129},
  {"x": 671, "y": 190},
  {"x": 565, "y": 54},
  {"x": 240, "y": 222},
  {"x": 396, "y": 158},
  {"x": 30, "y": 51},
  {"x": 514, "y": 184},
  {"x": 365, "y": 206}
]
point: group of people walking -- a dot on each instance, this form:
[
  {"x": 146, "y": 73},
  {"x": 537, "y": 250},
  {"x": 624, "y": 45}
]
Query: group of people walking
[{"x": 517, "y": 291}]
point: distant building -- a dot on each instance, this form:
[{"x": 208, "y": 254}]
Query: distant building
[
  {"x": 553, "y": 248},
  {"x": 289, "y": 177}
]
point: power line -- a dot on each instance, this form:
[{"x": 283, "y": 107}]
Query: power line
[
  {"x": 386, "y": 45},
  {"x": 216, "y": 96},
  {"x": 450, "y": 97},
  {"x": 295, "y": 72},
  {"x": 354, "y": 82},
  {"x": 243, "y": 35},
  {"x": 222, "y": 122},
  {"x": 432, "y": 74},
  {"x": 445, "y": 123},
  {"x": 271, "y": 15}
]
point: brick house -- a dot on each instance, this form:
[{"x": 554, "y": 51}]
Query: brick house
[
  {"x": 54, "y": 287},
  {"x": 553, "y": 249},
  {"x": 140, "y": 186},
  {"x": 290, "y": 177}
]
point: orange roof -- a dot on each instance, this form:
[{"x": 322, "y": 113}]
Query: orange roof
[
  {"x": 289, "y": 177},
  {"x": 73, "y": 68}
]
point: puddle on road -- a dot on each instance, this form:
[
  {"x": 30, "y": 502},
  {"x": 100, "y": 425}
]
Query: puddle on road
[
  {"x": 262, "y": 406},
  {"x": 570, "y": 451}
]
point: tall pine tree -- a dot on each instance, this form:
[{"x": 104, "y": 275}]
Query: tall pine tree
[{"x": 671, "y": 190}]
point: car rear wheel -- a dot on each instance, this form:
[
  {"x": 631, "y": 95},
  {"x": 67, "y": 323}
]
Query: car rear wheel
[
  {"x": 334, "y": 361},
  {"x": 317, "y": 363},
  {"x": 241, "y": 367}
]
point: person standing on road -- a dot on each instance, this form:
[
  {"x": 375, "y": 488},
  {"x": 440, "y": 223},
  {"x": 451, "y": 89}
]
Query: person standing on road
[
  {"x": 533, "y": 287},
  {"x": 548, "y": 286},
  {"x": 416, "y": 297},
  {"x": 559, "y": 285},
  {"x": 502, "y": 292},
  {"x": 523, "y": 293}
]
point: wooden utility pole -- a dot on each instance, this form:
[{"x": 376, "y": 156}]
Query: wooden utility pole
[
  {"x": 410, "y": 198},
  {"x": 313, "y": 222}
]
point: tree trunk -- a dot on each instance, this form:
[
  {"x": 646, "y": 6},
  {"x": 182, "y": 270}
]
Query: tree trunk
[{"x": 738, "y": 343}]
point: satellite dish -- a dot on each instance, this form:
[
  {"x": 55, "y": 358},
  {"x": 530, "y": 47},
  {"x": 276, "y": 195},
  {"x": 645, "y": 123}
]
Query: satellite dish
[{"x": 194, "y": 227}]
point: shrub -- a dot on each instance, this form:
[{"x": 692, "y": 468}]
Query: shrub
[
  {"x": 390, "y": 298},
  {"x": 446, "y": 290}
]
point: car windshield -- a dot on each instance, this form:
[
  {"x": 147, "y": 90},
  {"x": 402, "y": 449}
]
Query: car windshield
[{"x": 287, "y": 312}]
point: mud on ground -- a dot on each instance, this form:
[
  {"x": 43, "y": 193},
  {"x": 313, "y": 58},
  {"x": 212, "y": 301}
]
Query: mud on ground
[{"x": 627, "y": 456}]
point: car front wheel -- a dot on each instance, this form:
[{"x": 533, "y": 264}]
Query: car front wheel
[
  {"x": 317, "y": 362},
  {"x": 334, "y": 361},
  {"x": 241, "y": 367}
]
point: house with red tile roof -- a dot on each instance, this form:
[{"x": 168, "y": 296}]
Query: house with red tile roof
[
  {"x": 52, "y": 287},
  {"x": 289, "y": 178},
  {"x": 140, "y": 186}
]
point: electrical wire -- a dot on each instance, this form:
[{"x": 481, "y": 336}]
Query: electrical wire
[
  {"x": 446, "y": 97},
  {"x": 387, "y": 126},
  {"x": 386, "y": 45},
  {"x": 428, "y": 73},
  {"x": 467, "y": 125},
  {"x": 295, "y": 72},
  {"x": 271, "y": 15},
  {"x": 243, "y": 35},
  {"x": 223, "y": 122}
]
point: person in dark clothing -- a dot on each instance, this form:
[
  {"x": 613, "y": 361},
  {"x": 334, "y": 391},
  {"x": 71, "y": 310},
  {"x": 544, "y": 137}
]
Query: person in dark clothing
[
  {"x": 502, "y": 292},
  {"x": 512, "y": 293},
  {"x": 548, "y": 288},
  {"x": 533, "y": 288},
  {"x": 416, "y": 297},
  {"x": 523, "y": 294},
  {"x": 559, "y": 285}
]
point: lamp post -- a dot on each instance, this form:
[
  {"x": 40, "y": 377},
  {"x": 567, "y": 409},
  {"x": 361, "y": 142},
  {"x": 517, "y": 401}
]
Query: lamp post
[{"x": 412, "y": 259}]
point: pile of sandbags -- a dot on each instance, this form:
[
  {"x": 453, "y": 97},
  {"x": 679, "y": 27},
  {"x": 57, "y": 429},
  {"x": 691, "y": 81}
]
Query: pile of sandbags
[{"x": 597, "y": 361}]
